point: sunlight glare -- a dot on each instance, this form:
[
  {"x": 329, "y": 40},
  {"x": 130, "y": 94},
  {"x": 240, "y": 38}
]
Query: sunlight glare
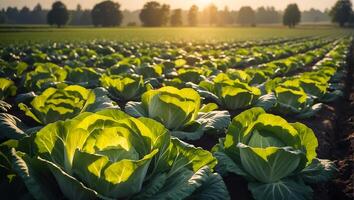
[{"x": 203, "y": 3}]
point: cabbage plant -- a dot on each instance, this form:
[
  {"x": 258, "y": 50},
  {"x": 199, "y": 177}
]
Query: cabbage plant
[
  {"x": 232, "y": 94},
  {"x": 64, "y": 103},
  {"x": 149, "y": 71},
  {"x": 294, "y": 101},
  {"x": 110, "y": 155},
  {"x": 180, "y": 110},
  {"x": 7, "y": 88},
  {"x": 276, "y": 157},
  {"x": 194, "y": 75},
  {"x": 84, "y": 76},
  {"x": 126, "y": 88},
  {"x": 319, "y": 84},
  {"x": 44, "y": 76},
  {"x": 12, "y": 69}
]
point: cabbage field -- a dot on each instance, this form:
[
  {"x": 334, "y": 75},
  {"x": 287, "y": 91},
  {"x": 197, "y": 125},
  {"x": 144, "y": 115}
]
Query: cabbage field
[{"x": 263, "y": 119}]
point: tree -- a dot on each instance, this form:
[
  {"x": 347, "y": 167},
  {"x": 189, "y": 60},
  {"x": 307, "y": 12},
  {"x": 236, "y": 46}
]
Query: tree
[
  {"x": 212, "y": 13},
  {"x": 153, "y": 14},
  {"x": 38, "y": 15},
  {"x": 246, "y": 16},
  {"x": 2, "y": 17},
  {"x": 193, "y": 15},
  {"x": 58, "y": 15},
  {"x": 12, "y": 15},
  {"x": 85, "y": 18},
  {"x": 224, "y": 17},
  {"x": 106, "y": 13},
  {"x": 176, "y": 17},
  {"x": 292, "y": 15},
  {"x": 25, "y": 16},
  {"x": 267, "y": 15},
  {"x": 341, "y": 12},
  {"x": 314, "y": 15},
  {"x": 165, "y": 14},
  {"x": 76, "y": 15}
]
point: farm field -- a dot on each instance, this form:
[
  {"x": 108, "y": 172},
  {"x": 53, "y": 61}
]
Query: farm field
[
  {"x": 43, "y": 33},
  {"x": 176, "y": 113}
]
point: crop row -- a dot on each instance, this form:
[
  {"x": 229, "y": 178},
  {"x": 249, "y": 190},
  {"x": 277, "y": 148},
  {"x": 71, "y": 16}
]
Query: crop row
[{"x": 123, "y": 128}]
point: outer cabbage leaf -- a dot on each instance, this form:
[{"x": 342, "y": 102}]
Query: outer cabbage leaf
[
  {"x": 11, "y": 127},
  {"x": 84, "y": 76},
  {"x": 286, "y": 189},
  {"x": 7, "y": 88}
]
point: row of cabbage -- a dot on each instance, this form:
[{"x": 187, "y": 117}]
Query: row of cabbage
[
  {"x": 83, "y": 145},
  {"x": 219, "y": 55},
  {"x": 229, "y": 93},
  {"x": 44, "y": 74}
]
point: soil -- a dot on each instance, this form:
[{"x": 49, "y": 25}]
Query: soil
[
  {"x": 207, "y": 142},
  {"x": 237, "y": 187}
]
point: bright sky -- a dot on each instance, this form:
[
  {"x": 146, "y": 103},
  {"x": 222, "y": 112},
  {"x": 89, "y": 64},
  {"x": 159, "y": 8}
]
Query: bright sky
[{"x": 185, "y": 4}]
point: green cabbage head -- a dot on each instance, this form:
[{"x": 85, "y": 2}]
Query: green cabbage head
[
  {"x": 44, "y": 75},
  {"x": 232, "y": 94},
  {"x": 126, "y": 88},
  {"x": 275, "y": 156},
  {"x": 172, "y": 107},
  {"x": 180, "y": 111},
  {"x": 64, "y": 103},
  {"x": 294, "y": 101},
  {"x": 110, "y": 155}
]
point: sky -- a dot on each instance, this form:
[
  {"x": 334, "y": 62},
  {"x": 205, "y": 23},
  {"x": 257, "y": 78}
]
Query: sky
[{"x": 184, "y": 4}]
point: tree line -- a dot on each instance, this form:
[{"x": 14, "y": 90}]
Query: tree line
[{"x": 108, "y": 13}]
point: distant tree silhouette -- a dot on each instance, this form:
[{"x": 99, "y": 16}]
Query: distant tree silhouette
[
  {"x": 224, "y": 17},
  {"x": 58, "y": 15},
  {"x": 351, "y": 19},
  {"x": 212, "y": 13},
  {"x": 12, "y": 15},
  {"x": 107, "y": 13},
  {"x": 25, "y": 15},
  {"x": 341, "y": 12},
  {"x": 193, "y": 15},
  {"x": 267, "y": 15},
  {"x": 292, "y": 15},
  {"x": 246, "y": 16},
  {"x": 76, "y": 15},
  {"x": 165, "y": 14},
  {"x": 153, "y": 14},
  {"x": 2, "y": 16},
  {"x": 314, "y": 15},
  {"x": 38, "y": 15},
  {"x": 176, "y": 17},
  {"x": 85, "y": 18}
]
